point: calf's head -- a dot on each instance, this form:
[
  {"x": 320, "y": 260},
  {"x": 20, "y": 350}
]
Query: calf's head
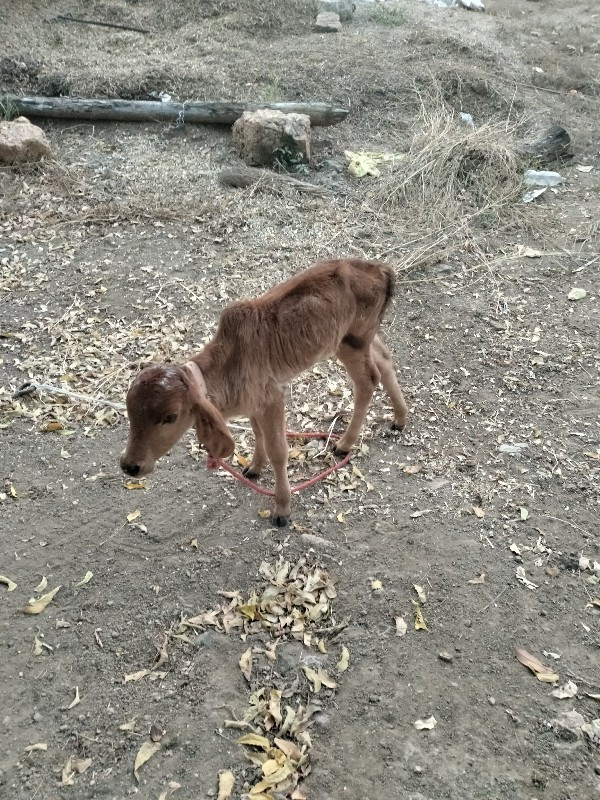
[{"x": 163, "y": 402}]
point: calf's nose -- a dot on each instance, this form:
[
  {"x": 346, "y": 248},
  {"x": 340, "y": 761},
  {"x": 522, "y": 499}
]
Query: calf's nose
[{"x": 130, "y": 469}]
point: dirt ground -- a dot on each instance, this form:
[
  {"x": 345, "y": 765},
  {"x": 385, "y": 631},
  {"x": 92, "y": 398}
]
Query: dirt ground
[{"x": 123, "y": 248}]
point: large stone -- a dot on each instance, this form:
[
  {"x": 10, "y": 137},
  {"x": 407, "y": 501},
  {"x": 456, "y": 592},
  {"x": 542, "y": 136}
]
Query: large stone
[
  {"x": 328, "y": 22},
  {"x": 21, "y": 141},
  {"x": 257, "y": 136},
  {"x": 343, "y": 8}
]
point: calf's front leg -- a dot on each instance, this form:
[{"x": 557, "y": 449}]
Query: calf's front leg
[
  {"x": 272, "y": 425},
  {"x": 259, "y": 459}
]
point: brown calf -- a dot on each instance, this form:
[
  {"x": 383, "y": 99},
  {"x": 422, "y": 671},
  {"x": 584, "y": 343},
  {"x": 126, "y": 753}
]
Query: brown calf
[{"x": 332, "y": 309}]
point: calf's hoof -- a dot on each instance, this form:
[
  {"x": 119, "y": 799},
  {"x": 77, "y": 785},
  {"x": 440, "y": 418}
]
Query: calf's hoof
[
  {"x": 395, "y": 427},
  {"x": 340, "y": 453},
  {"x": 279, "y": 521},
  {"x": 250, "y": 474}
]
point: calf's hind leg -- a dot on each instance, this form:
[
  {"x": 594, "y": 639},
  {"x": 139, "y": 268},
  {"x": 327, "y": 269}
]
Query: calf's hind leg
[{"x": 383, "y": 360}]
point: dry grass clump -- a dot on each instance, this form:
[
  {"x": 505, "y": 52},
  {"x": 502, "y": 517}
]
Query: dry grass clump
[{"x": 453, "y": 173}]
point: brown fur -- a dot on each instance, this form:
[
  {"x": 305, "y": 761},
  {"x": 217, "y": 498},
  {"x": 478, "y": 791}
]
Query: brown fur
[{"x": 332, "y": 309}]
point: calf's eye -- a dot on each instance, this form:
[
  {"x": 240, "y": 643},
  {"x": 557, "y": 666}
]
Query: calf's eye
[{"x": 170, "y": 418}]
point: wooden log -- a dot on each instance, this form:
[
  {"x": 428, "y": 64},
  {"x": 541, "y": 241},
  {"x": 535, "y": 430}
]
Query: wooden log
[{"x": 219, "y": 113}]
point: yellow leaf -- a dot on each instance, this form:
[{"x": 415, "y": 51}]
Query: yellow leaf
[
  {"x": 254, "y": 740},
  {"x": 146, "y": 751},
  {"x": 10, "y": 585},
  {"x": 344, "y": 661},
  {"x": 420, "y": 621},
  {"x": 12, "y": 491},
  {"x": 136, "y": 676},
  {"x": 376, "y": 586},
  {"x": 76, "y": 700},
  {"x": 242, "y": 460},
  {"x": 37, "y": 647},
  {"x": 321, "y": 646},
  {"x": 37, "y": 606},
  {"x": 86, "y": 579},
  {"x": 226, "y": 782},
  {"x": 246, "y": 664},
  {"x": 264, "y": 514},
  {"x": 340, "y": 518},
  {"x": 39, "y": 746},
  {"x": 133, "y": 515},
  {"x": 134, "y": 485},
  {"x": 541, "y": 671},
  {"x": 41, "y": 585}
]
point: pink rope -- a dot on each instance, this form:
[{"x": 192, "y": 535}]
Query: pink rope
[{"x": 213, "y": 463}]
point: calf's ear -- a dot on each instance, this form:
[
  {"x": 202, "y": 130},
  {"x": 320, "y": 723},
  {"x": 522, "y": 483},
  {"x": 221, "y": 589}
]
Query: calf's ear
[{"x": 211, "y": 429}]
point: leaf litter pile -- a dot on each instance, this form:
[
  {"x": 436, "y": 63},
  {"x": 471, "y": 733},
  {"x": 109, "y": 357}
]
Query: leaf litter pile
[{"x": 293, "y": 604}]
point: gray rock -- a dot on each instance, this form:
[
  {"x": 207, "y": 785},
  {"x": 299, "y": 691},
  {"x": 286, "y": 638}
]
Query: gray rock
[
  {"x": 328, "y": 22},
  {"x": 20, "y": 141},
  {"x": 257, "y": 135},
  {"x": 343, "y": 8}
]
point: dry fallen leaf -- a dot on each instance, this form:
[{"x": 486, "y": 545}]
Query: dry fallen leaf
[
  {"x": 376, "y": 586},
  {"x": 420, "y": 592},
  {"x": 318, "y": 678},
  {"x": 37, "y": 606},
  {"x": 133, "y": 515},
  {"x": 479, "y": 579},
  {"x": 420, "y": 621},
  {"x": 593, "y": 696},
  {"x": 246, "y": 664},
  {"x": 425, "y": 724},
  {"x": 226, "y": 782},
  {"x": 74, "y": 765},
  {"x": 76, "y": 700},
  {"x": 136, "y": 676},
  {"x": 522, "y": 577},
  {"x": 401, "y": 626},
  {"x": 41, "y": 585},
  {"x": 479, "y": 512},
  {"x": 264, "y": 514},
  {"x": 514, "y": 548},
  {"x": 39, "y": 746},
  {"x": 541, "y": 671},
  {"x": 568, "y": 690},
  {"x": 342, "y": 664},
  {"x": 10, "y": 585},
  {"x": 86, "y": 579},
  {"x": 254, "y": 740},
  {"x": 412, "y": 469},
  {"x": 577, "y": 294},
  {"x": 128, "y": 726},
  {"x": 146, "y": 751},
  {"x": 134, "y": 485},
  {"x": 172, "y": 787},
  {"x": 524, "y": 513}
]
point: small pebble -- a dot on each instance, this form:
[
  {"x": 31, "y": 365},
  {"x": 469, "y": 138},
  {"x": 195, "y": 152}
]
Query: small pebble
[
  {"x": 445, "y": 656},
  {"x": 37, "y": 717},
  {"x": 417, "y": 769},
  {"x": 492, "y": 701},
  {"x": 374, "y": 698}
]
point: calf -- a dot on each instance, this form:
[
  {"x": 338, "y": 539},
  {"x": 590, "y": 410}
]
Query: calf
[{"x": 332, "y": 309}]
